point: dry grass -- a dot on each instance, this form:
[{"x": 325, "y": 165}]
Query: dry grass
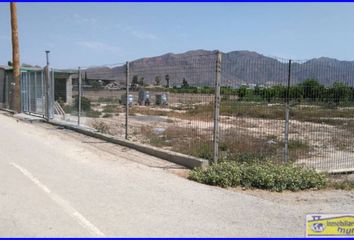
[
  {"x": 246, "y": 129},
  {"x": 309, "y": 113},
  {"x": 101, "y": 127},
  {"x": 234, "y": 146},
  {"x": 184, "y": 140},
  {"x": 343, "y": 140}
]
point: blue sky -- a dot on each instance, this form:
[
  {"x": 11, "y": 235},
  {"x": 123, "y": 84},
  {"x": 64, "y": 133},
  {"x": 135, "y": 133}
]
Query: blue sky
[{"x": 86, "y": 34}]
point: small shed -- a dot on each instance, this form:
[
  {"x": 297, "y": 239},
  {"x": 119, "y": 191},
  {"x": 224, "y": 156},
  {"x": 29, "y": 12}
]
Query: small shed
[{"x": 31, "y": 83}]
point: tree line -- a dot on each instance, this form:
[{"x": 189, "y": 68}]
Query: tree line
[{"x": 309, "y": 90}]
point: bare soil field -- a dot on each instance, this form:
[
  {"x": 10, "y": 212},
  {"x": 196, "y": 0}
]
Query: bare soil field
[{"x": 318, "y": 137}]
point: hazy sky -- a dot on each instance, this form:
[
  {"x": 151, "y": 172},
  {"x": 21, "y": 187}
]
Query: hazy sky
[{"x": 85, "y": 34}]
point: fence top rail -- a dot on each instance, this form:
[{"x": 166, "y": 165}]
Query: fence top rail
[{"x": 23, "y": 69}]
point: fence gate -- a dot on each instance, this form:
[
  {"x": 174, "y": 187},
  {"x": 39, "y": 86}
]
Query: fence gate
[{"x": 33, "y": 93}]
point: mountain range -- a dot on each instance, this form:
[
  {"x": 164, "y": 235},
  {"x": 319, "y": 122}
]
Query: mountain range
[{"x": 198, "y": 68}]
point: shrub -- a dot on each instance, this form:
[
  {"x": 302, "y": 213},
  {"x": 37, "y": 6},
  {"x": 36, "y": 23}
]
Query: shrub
[
  {"x": 85, "y": 103},
  {"x": 68, "y": 109},
  {"x": 202, "y": 149},
  {"x": 92, "y": 114},
  {"x": 107, "y": 115},
  {"x": 108, "y": 100},
  {"x": 279, "y": 177},
  {"x": 110, "y": 108},
  {"x": 225, "y": 174},
  {"x": 265, "y": 175}
]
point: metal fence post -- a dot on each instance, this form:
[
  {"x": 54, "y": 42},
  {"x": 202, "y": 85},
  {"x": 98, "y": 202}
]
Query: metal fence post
[
  {"x": 216, "y": 133},
  {"x": 7, "y": 92},
  {"x": 286, "y": 132},
  {"x": 43, "y": 94},
  {"x": 35, "y": 92},
  {"x": 127, "y": 100},
  {"x": 29, "y": 93},
  {"x": 79, "y": 97},
  {"x": 47, "y": 86},
  {"x": 52, "y": 95}
]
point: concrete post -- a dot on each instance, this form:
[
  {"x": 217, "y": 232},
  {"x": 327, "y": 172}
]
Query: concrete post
[
  {"x": 47, "y": 86},
  {"x": 287, "y": 110},
  {"x": 69, "y": 90},
  {"x": 29, "y": 92},
  {"x": 52, "y": 95},
  {"x": 7, "y": 89},
  {"x": 43, "y": 93},
  {"x": 216, "y": 133},
  {"x": 79, "y": 97}
]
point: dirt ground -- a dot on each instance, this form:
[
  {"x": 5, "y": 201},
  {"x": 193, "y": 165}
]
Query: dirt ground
[
  {"x": 323, "y": 201},
  {"x": 329, "y": 147}
]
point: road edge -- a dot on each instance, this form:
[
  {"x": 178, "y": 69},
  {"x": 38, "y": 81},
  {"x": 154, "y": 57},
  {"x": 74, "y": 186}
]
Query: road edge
[{"x": 187, "y": 161}]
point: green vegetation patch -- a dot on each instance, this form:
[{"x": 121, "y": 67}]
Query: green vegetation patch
[
  {"x": 262, "y": 175},
  {"x": 108, "y": 100},
  {"x": 111, "y": 108}
]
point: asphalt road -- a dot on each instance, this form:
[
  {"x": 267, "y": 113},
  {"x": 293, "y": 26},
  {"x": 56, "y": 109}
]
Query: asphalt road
[{"x": 56, "y": 184}]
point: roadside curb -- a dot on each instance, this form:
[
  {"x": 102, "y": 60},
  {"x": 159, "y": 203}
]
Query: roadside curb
[
  {"x": 28, "y": 118},
  {"x": 178, "y": 158}
]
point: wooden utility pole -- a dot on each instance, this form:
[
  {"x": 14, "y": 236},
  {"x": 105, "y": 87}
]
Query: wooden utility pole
[{"x": 16, "y": 93}]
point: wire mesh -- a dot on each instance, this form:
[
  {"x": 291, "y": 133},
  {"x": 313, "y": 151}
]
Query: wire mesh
[
  {"x": 102, "y": 99},
  {"x": 32, "y": 92},
  {"x": 172, "y": 103},
  {"x": 3, "y": 89},
  {"x": 65, "y": 95},
  {"x": 322, "y": 113},
  {"x": 271, "y": 109},
  {"x": 252, "y": 108}
]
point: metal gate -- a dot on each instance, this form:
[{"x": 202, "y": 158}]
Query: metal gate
[{"x": 33, "y": 92}]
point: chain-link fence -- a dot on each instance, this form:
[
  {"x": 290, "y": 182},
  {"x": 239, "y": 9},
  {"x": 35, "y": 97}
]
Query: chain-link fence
[
  {"x": 33, "y": 92},
  {"x": 173, "y": 103},
  {"x": 252, "y": 119},
  {"x": 4, "y": 90},
  {"x": 237, "y": 106},
  {"x": 322, "y": 113}
]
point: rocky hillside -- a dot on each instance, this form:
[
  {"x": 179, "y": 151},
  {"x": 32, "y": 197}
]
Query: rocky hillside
[{"x": 238, "y": 67}]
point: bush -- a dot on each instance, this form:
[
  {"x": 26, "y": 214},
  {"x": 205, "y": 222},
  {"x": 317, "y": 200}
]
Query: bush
[
  {"x": 108, "y": 100},
  {"x": 107, "y": 115},
  {"x": 110, "y": 109},
  {"x": 266, "y": 175},
  {"x": 225, "y": 174},
  {"x": 85, "y": 103},
  {"x": 68, "y": 109}
]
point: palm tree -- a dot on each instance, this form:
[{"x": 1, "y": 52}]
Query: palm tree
[{"x": 15, "y": 59}]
